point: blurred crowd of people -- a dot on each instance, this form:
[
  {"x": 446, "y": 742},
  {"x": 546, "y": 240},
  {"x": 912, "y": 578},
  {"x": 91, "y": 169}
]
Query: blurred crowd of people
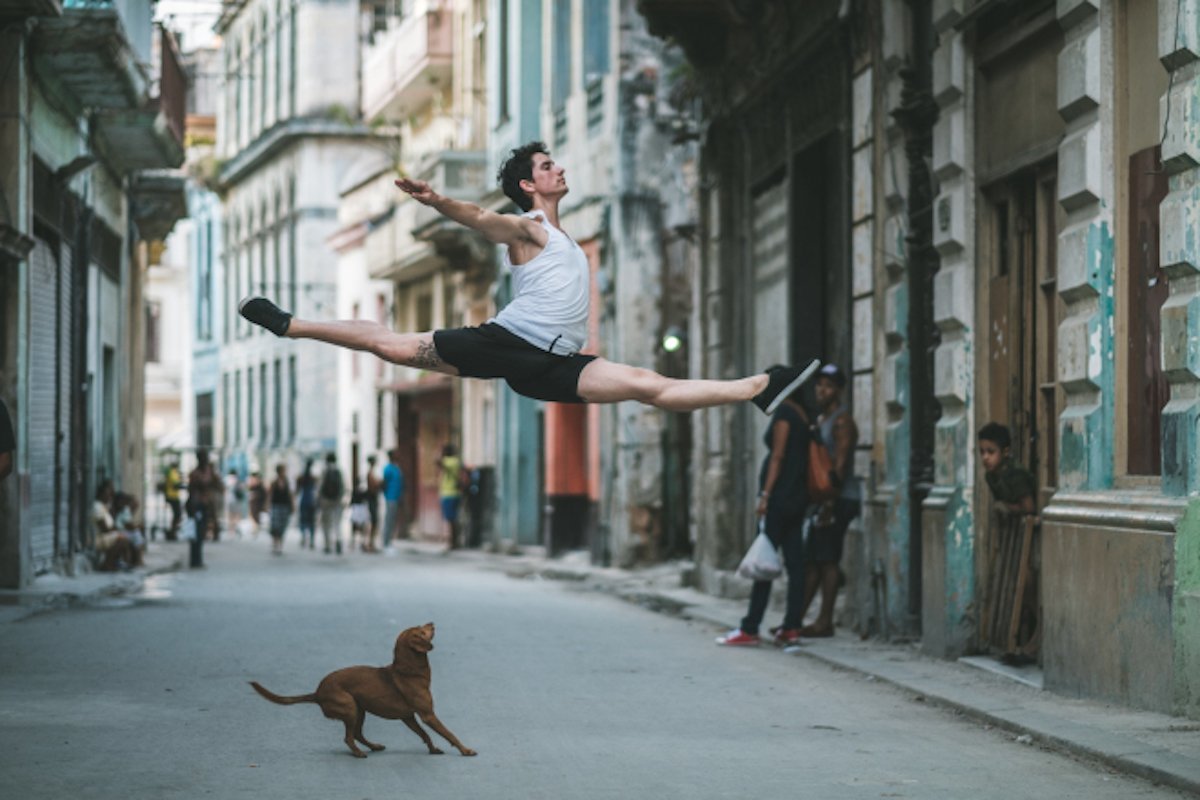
[{"x": 318, "y": 499}]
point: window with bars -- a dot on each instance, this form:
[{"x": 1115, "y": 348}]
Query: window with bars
[
  {"x": 291, "y": 399},
  {"x": 262, "y": 402},
  {"x": 561, "y": 56},
  {"x": 277, "y": 396},
  {"x": 236, "y": 412},
  {"x": 225, "y": 408},
  {"x": 249, "y": 402},
  {"x": 502, "y": 43}
]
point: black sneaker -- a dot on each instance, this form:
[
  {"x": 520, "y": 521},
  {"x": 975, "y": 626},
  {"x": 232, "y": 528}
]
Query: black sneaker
[
  {"x": 262, "y": 311},
  {"x": 783, "y": 381}
]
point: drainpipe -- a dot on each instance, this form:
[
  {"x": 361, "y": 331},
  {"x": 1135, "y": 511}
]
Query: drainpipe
[{"x": 917, "y": 113}]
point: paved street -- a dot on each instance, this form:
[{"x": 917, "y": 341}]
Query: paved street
[{"x": 565, "y": 693}]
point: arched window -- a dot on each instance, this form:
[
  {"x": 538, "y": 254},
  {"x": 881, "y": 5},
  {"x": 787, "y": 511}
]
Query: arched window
[
  {"x": 252, "y": 87},
  {"x": 266, "y": 267},
  {"x": 277, "y": 243},
  {"x": 263, "y": 33},
  {"x": 292, "y": 214},
  {"x": 279, "y": 60}
]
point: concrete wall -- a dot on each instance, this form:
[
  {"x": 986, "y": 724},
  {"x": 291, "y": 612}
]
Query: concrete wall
[{"x": 1107, "y": 600}]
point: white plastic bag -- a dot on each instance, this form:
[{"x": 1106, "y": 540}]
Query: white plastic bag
[
  {"x": 761, "y": 562},
  {"x": 187, "y": 529}
]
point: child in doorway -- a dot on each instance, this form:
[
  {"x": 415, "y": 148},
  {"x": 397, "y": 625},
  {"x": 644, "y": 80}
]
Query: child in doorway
[
  {"x": 1014, "y": 489},
  {"x": 1013, "y": 486}
]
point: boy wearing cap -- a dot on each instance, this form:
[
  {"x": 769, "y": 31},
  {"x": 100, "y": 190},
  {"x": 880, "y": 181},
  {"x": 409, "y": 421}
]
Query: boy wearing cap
[{"x": 824, "y": 552}]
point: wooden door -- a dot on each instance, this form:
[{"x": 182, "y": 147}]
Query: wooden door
[{"x": 1022, "y": 324}]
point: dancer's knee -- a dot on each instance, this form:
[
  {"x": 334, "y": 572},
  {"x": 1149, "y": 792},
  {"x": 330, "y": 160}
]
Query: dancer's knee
[{"x": 650, "y": 387}]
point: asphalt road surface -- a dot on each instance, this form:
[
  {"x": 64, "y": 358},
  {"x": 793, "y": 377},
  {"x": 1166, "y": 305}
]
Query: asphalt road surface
[{"x": 565, "y": 693}]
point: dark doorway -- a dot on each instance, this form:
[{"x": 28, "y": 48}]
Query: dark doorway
[{"x": 820, "y": 274}]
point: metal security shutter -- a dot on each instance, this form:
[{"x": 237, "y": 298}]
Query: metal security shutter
[
  {"x": 67, "y": 398},
  {"x": 769, "y": 247},
  {"x": 770, "y": 250},
  {"x": 40, "y": 406}
]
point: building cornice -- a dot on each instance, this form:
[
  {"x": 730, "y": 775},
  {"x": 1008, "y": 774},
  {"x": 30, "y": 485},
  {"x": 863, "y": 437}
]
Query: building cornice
[
  {"x": 1151, "y": 512},
  {"x": 228, "y": 14},
  {"x": 276, "y": 138}
]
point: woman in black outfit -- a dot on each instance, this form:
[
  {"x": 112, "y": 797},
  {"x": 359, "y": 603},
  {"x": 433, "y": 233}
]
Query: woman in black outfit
[{"x": 782, "y": 499}]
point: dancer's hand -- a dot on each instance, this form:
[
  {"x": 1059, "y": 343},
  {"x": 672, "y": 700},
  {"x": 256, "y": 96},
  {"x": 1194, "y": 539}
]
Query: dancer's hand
[{"x": 417, "y": 190}]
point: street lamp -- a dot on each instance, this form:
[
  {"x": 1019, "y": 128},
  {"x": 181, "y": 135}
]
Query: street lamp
[{"x": 673, "y": 339}]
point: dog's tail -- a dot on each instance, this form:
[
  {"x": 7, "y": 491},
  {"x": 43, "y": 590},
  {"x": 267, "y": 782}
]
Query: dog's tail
[{"x": 283, "y": 701}]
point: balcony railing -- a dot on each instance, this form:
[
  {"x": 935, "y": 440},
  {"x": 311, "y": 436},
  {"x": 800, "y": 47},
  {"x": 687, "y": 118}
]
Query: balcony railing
[
  {"x": 150, "y": 136},
  {"x": 410, "y": 64},
  {"x": 31, "y": 8},
  {"x": 461, "y": 174},
  {"x": 90, "y": 53},
  {"x": 172, "y": 86}
]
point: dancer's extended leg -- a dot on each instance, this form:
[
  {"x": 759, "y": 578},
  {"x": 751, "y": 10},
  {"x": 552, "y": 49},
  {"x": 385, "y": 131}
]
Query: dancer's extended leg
[
  {"x": 605, "y": 381},
  {"x": 408, "y": 349}
]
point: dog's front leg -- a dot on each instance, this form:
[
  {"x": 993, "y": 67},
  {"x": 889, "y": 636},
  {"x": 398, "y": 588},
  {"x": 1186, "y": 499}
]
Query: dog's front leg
[
  {"x": 432, "y": 721},
  {"x": 411, "y": 722}
]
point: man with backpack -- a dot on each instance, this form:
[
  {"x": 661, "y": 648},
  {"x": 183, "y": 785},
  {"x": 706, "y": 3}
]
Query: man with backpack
[{"x": 329, "y": 501}]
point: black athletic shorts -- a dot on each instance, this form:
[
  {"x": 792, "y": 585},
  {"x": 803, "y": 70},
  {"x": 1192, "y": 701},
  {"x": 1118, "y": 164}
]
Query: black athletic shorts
[{"x": 493, "y": 351}]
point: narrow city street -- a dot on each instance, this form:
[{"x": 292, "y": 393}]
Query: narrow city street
[{"x": 565, "y": 693}]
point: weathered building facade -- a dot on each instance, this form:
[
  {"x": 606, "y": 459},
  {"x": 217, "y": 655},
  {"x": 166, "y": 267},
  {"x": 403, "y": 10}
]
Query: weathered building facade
[
  {"x": 785, "y": 188},
  {"x": 423, "y": 87},
  {"x": 586, "y": 78},
  {"x": 91, "y": 126},
  {"x": 1007, "y": 233},
  {"x": 286, "y": 133},
  {"x": 1066, "y": 158}
]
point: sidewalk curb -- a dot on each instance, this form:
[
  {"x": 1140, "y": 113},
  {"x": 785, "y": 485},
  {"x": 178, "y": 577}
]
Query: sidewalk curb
[
  {"x": 31, "y": 603},
  {"x": 1184, "y": 776},
  {"x": 1119, "y": 752}
]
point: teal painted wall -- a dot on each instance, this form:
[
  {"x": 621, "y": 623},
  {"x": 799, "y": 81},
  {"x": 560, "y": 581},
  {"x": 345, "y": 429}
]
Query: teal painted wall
[{"x": 1085, "y": 449}]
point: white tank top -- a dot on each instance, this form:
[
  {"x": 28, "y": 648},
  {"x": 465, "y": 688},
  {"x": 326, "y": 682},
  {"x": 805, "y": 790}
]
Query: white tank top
[{"x": 551, "y": 295}]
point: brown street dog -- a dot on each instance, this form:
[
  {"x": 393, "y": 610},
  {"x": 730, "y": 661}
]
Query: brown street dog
[{"x": 400, "y": 691}]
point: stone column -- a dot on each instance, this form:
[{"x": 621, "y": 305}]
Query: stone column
[
  {"x": 1085, "y": 246},
  {"x": 890, "y": 514},
  {"x": 949, "y": 532}
]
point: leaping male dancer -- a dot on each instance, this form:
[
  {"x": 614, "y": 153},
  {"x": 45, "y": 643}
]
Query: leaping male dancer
[{"x": 534, "y": 342}]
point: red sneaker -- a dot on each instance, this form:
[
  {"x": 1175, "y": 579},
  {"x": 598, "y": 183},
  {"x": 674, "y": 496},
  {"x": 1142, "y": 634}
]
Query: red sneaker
[
  {"x": 786, "y": 636},
  {"x": 735, "y": 638}
]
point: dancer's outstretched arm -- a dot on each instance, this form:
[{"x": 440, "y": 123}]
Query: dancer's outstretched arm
[{"x": 505, "y": 229}]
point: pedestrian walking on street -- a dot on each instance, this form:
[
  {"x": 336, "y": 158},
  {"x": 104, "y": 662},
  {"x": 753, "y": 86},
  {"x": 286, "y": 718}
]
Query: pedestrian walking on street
[
  {"x": 393, "y": 499},
  {"x": 823, "y": 550},
  {"x": 202, "y": 481},
  {"x": 172, "y": 482},
  {"x": 330, "y": 499},
  {"x": 450, "y": 473},
  {"x": 256, "y": 490},
  {"x": 235, "y": 503},
  {"x": 782, "y": 499},
  {"x": 282, "y": 505},
  {"x": 306, "y": 488},
  {"x": 535, "y": 343},
  {"x": 374, "y": 487}
]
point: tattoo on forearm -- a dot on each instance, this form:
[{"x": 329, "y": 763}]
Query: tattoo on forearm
[{"x": 426, "y": 357}]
